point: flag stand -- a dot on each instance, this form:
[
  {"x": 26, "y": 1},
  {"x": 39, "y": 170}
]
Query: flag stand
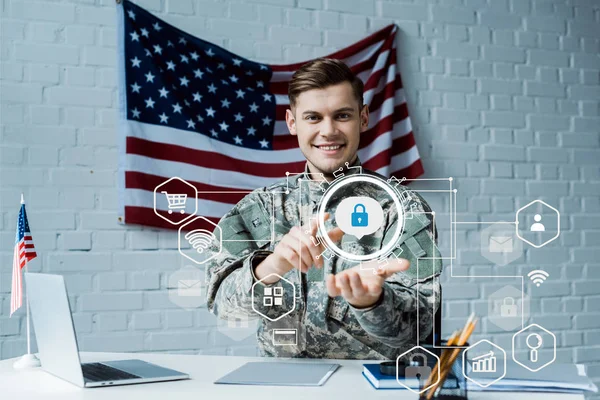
[{"x": 27, "y": 360}]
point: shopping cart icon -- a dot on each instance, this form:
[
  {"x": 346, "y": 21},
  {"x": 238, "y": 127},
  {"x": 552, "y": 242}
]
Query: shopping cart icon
[
  {"x": 175, "y": 189},
  {"x": 176, "y": 201}
]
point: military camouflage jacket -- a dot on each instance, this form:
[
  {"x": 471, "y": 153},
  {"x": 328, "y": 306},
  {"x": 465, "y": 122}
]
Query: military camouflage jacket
[{"x": 326, "y": 327}]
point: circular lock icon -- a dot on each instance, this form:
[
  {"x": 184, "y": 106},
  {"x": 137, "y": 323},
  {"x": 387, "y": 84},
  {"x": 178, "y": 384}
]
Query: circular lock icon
[{"x": 360, "y": 218}]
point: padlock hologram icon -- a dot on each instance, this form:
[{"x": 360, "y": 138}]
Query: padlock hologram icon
[
  {"x": 360, "y": 218},
  {"x": 508, "y": 307},
  {"x": 415, "y": 370}
]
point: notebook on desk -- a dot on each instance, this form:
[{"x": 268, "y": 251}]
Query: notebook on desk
[
  {"x": 379, "y": 381},
  {"x": 280, "y": 374},
  {"x": 555, "y": 378}
]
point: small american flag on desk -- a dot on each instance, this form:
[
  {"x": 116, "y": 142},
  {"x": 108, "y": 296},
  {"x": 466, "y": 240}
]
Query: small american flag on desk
[
  {"x": 23, "y": 253},
  {"x": 191, "y": 109}
]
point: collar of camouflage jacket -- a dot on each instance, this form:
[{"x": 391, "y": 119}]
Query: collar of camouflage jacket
[
  {"x": 351, "y": 169},
  {"x": 315, "y": 188}
]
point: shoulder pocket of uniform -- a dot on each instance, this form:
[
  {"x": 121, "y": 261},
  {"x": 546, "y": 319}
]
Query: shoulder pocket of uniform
[
  {"x": 245, "y": 231},
  {"x": 236, "y": 237},
  {"x": 420, "y": 249},
  {"x": 257, "y": 221}
]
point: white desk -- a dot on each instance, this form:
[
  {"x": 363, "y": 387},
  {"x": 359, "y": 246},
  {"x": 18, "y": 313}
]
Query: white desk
[{"x": 347, "y": 383}]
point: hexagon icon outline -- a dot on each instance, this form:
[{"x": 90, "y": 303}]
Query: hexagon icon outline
[
  {"x": 553, "y": 347},
  {"x": 503, "y": 322},
  {"x": 465, "y": 363},
  {"x": 195, "y": 202},
  {"x": 437, "y": 365},
  {"x": 557, "y": 223},
  {"x": 293, "y": 297},
  {"x": 500, "y": 258},
  {"x": 217, "y": 233}
]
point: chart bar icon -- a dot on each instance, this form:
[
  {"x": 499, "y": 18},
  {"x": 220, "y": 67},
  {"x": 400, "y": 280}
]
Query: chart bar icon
[{"x": 484, "y": 363}]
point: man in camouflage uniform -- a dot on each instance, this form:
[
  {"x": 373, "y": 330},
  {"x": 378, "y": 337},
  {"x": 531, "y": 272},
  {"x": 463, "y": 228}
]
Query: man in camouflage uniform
[{"x": 341, "y": 309}]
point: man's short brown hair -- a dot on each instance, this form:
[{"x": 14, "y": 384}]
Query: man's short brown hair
[{"x": 321, "y": 73}]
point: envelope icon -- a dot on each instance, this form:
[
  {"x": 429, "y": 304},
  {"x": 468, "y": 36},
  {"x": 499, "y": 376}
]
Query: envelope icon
[
  {"x": 501, "y": 244},
  {"x": 189, "y": 287}
]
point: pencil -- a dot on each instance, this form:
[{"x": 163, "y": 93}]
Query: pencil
[
  {"x": 443, "y": 358},
  {"x": 453, "y": 354},
  {"x": 453, "y": 341}
]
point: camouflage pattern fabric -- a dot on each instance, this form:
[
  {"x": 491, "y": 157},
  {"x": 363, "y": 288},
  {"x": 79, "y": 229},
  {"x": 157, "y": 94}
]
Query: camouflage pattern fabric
[{"x": 327, "y": 327}]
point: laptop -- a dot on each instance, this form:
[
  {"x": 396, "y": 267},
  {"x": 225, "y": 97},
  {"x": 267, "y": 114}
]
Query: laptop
[{"x": 57, "y": 343}]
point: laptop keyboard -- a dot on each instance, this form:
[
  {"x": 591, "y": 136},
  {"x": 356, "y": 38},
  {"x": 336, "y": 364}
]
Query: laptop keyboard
[{"x": 98, "y": 372}]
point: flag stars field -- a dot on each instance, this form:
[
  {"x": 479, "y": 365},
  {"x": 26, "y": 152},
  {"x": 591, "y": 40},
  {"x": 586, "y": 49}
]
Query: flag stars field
[{"x": 170, "y": 52}]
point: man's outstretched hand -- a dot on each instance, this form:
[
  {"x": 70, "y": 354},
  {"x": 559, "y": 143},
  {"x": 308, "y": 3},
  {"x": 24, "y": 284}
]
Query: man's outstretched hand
[
  {"x": 296, "y": 250},
  {"x": 362, "y": 287}
]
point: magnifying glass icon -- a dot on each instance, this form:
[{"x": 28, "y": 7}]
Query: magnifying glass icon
[{"x": 534, "y": 342}]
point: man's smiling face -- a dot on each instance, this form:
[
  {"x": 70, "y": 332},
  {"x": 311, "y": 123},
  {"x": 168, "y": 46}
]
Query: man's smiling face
[{"x": 328, "y": 123}]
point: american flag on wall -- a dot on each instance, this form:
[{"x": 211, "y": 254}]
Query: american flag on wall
[
  {"x": 191, "y": 109},
  {"x": 23, "y": 253}
]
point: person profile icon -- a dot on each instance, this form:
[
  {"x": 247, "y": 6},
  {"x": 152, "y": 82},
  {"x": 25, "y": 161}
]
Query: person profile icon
[{"x": 537, "y": 227}]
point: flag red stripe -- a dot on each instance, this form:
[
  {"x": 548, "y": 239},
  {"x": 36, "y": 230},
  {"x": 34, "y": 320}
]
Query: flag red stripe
[
  {"x": 382, "y": 159},
  {"x": 413, "y": 171},
  {"x": 141, "y": 180},
  {"x": 376, "y": 76},
  {"x": 207, "y": 159},
  {"x": 146, "y": 216},
  {"x": 144, "y": 181}
]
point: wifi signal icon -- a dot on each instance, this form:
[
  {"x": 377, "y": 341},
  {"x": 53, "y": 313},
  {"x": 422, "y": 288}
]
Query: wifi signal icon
[
  {"x": 200, "y": 239},
  {"x": 538, "y": 276}
]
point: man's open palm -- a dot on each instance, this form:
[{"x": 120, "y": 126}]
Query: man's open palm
[{"x": 361, "y": 286}]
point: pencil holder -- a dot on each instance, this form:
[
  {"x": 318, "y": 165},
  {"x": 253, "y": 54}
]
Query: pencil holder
[{"x": 455, "y": 384}]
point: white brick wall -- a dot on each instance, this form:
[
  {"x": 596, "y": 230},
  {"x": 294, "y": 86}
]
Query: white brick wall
[{"x": 503, "y": 96}]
